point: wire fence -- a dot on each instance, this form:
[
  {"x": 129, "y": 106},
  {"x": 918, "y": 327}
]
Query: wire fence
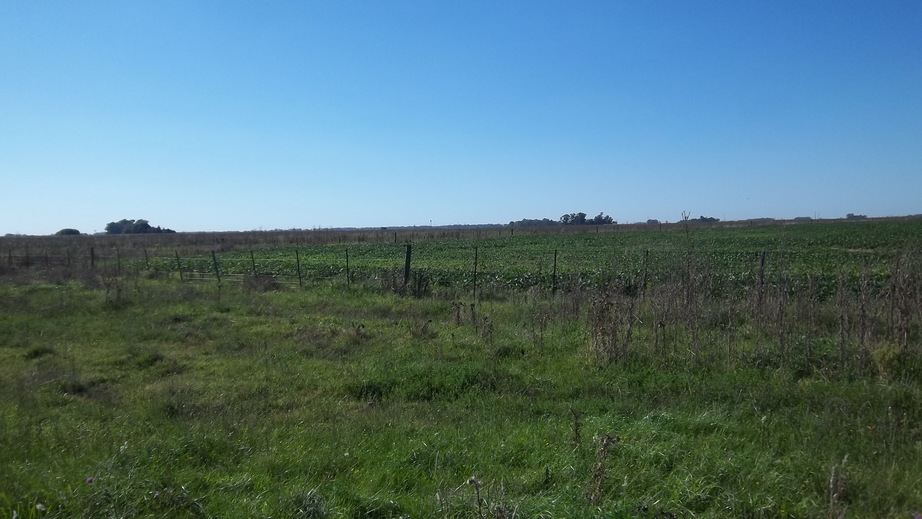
[
  {"x": 471, "y": 266},
  {"x": 859, "y": 299}
]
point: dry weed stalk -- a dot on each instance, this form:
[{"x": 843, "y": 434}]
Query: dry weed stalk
[
  {"x": 538, "y": 337},
  {"x": 611, "y": 321},
  {"x": 598, "y": 470},
  {"x": 456, "y": 308},
  {"x": 577, "y": 426},
  {"x": 486, "y": 330},
  {"x": 474, "y": 482},
  {"x": 842, "y": 301},
  {"x": 838, "y": 491}
]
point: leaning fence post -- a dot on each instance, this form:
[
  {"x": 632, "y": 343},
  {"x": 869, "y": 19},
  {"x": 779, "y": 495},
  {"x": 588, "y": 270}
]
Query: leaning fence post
[
  {"x": 217, "y": 271},
  {"x": 406, "y": 267},
  {"x": 253, "y": 262},
  {"x": 179, "y": 267}
]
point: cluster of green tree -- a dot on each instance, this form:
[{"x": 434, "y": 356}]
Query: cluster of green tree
[
  {"x": 567, "y": 219},
  {"x": 704, "y": 219},
  {"x": 533, "y": 222},
  {"x": 133, "y": 227},
  {"x": 853, "y": 216},
  {"x": 67, "y": 232},
  {"x": 580, "y": 219}
]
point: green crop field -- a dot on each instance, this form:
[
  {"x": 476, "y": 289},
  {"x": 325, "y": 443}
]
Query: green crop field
[{"x": 758, "y": 371}]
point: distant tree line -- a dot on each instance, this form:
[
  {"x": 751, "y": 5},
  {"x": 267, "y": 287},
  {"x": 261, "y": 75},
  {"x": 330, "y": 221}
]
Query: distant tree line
[
  {"x": 580, "y": 219},
  {"x": 702, "y": 219},
  {"x": 134, "y": 227},
  {"x": 567, "y": 219},
  {"x": 533, "y": 222}
]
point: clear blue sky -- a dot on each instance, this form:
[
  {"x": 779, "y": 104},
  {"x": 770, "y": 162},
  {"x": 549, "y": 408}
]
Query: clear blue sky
[{"x": 223, "y": 115}]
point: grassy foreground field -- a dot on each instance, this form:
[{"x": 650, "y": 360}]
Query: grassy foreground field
[{"x": 706, "y": 386}]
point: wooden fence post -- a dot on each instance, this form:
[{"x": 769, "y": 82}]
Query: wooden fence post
[
  {"x": 92, "y": 257},
  {"x": 298, "y": 264},
  {"x": 646, "y": 255},
  {"x": 179, "y": 267},
  {"x": 554, "y": 277},
  {"x": 406, "y": 267},
  {"x": 253, "y": 262},
  {"x": 761, "y": 292},
  {"x": 476, "y": 260},
  {"x": 348, "y": 277},
  {"x": 217, "y": 271}
]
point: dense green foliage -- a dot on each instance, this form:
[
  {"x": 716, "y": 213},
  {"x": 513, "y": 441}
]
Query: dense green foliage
[
  {"x": 125, "y": 226},
  {"x": 724, "y": 386}
]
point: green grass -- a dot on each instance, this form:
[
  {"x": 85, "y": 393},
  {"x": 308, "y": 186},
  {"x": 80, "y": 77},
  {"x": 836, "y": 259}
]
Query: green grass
[{"x": 244, "y": 400}]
